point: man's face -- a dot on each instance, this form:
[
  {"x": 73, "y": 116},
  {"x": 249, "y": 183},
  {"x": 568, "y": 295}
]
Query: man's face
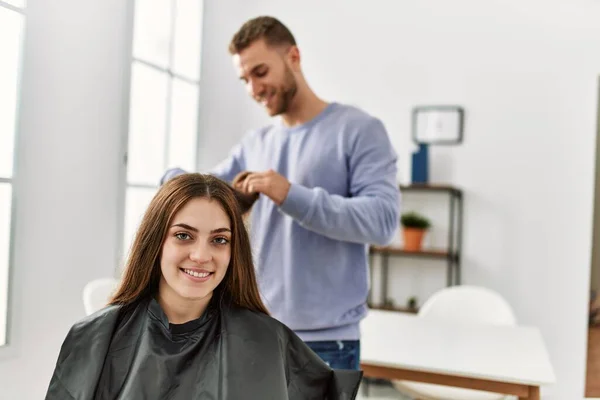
[{"x": 267, "y": 75}]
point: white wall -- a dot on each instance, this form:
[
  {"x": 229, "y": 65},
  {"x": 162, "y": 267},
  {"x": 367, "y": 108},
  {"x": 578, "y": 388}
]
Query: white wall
[
  {"x": 68, "y": 168},
  {"x": 222, "y": 102},
  {"x": 526, "y": 72}
]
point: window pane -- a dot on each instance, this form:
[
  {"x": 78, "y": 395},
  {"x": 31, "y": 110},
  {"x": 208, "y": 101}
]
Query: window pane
[
  {"x": 137, "y": 200},
  {"x": 188, "y": 38},
  {"x": 16, "y": 3},
  {"x": 10, "y": 45},
  {"x": 5, "y": 206},
  {"x": 152, "y": 31},
  {"x": 147, "y": 125},
  {"x": 184, "y": 123}
]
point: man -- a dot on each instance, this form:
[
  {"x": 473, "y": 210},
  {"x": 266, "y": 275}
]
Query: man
[{"x": 326, "y": 175}]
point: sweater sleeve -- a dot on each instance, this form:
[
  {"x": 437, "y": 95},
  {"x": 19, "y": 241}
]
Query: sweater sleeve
[
  {"x": 371, "y": 213},
  {"x": 225, "y": 170},
  {"x": 232, "y": 165}
]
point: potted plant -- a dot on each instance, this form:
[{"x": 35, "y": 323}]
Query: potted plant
[
  {"x": 412, "y": 303},
  {"x": 414, "y": 226}
]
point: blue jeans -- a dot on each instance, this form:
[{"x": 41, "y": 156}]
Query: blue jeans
[{"x": 340, "y": 354}]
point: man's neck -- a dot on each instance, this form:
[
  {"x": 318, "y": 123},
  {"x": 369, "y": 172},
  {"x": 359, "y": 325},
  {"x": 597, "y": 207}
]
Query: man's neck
[
  {"x": 304, "y": 108},
  {"x": 180, "y": 310}
]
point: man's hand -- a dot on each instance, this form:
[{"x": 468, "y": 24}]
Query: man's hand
[{"x": 269, "y": 183}]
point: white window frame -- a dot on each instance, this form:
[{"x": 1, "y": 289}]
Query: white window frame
[
  {"x": 11, "y": 181},
  {"x": 171, "y": 76}
]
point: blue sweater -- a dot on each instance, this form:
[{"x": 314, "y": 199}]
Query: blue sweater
[{"x": 311, "y": 253}]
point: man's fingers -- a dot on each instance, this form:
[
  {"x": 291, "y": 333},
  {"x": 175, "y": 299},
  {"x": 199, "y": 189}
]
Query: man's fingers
[
  {"x": 248, "y": 183},
  {"x": 239, "y": 178},
  {"x": 245, "y": 185},
  {"x": 256, "y": 184},
  {"x": 238, "y": 185}
]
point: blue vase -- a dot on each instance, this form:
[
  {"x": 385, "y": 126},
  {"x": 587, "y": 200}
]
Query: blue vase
[{"x": 420, "y": 165}]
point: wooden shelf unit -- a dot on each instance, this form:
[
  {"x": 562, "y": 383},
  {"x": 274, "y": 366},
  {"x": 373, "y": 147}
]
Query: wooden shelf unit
[
  {"x": 452, "y": 255},
  {"x": 393, "y": 308},
  {"x": 398, "y": 251}
]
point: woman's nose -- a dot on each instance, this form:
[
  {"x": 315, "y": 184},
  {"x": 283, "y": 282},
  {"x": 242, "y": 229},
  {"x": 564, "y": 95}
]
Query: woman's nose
[{"x": 200, "y": 253}]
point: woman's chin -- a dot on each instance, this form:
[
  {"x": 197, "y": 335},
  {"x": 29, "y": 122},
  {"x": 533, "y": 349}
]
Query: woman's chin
[{"x": 194, "y": 295}]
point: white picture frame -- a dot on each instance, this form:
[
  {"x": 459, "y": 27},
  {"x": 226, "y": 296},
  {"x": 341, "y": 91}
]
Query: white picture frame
[{"x": 438, "y": 124}]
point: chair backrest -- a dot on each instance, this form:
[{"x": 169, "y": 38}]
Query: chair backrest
[
  {"x": 468, "y": 304},
  {"x": 97, "y": 293}
]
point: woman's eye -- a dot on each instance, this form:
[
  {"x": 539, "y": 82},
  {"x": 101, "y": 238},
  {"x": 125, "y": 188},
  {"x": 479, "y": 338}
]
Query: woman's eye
[
  {"x": 182, "y": 236},
  {"x": 221, "y": 240}
]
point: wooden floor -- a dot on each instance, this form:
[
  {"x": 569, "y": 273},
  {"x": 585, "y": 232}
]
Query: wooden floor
[{"x": 592, "y": 386}]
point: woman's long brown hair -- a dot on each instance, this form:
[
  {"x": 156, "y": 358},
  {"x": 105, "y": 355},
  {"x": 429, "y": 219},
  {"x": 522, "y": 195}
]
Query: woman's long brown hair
[{"x": 142, "y": 271}]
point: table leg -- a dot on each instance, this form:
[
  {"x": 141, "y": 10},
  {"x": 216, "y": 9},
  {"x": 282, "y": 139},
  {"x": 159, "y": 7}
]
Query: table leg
[
  {"x": 534, "y": 393},
  {"x": 371, "y": 267},
  {"x": 384, "y": 279}
]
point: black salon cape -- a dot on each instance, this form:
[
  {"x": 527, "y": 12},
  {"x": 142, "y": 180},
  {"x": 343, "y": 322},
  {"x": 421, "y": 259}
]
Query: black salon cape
[{"x": 228, "y": 354}]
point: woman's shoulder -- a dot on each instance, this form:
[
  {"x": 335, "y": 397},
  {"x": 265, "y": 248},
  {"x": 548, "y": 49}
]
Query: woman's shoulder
[
  {"x": 254, "y": 321},
  {"x": 89, "y": 334},
  {"x": 102, "y": 319},
  {"x": 99, "y": 316},
  {"x": 250, "y": 316}
]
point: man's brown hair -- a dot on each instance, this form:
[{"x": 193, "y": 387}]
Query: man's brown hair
[{"x": 270, "y": 29}]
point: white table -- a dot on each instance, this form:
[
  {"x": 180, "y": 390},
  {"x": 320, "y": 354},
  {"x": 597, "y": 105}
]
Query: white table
[{"x": 502, "y": 359}]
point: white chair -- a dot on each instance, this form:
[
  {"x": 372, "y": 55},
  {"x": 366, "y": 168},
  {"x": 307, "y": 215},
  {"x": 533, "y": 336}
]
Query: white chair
[
  {"x": 97, "y": 293},
  {"x": 470, "y": 304}
]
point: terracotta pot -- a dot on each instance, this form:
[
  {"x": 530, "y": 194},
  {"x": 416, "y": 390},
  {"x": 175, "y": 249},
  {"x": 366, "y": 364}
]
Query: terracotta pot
[{"x": 413, "y": 238}]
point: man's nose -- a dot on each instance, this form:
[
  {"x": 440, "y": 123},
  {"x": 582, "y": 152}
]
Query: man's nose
[{"x": 256, "y": 89}]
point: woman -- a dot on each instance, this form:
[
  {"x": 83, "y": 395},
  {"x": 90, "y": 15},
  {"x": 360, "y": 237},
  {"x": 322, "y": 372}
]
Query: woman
[{"x": 187, "y": 321}]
